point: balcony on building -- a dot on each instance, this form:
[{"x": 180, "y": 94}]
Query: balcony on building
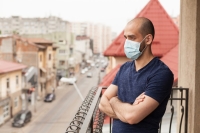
[{"x": 42, "y": 80}]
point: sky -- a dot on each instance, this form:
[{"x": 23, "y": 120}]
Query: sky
[{"x": 113, "y": 13}]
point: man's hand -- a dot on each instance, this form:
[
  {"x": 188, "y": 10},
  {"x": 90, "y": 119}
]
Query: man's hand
[{"x": 139, "y": 99}]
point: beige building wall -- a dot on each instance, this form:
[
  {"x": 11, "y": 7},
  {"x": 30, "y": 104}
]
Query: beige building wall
[
  {"x": 16, "y": 102},
  {"x": 189, "y": 59},
  {"x": 12, "y": 82},
  {"x": 114, "y": 61},
  {"x": 49, "y": 57},
  {"x": 121, "y": 60},
  {"x": 13, "y": 92}
]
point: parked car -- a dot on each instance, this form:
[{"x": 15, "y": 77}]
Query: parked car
[
  {"x": 97, "y": 65},
  {"x": 82, "y": 71},
  {"x": 92, "y": 64},
  {"x": 50, "y": 97},
  {"x": 102, "y": 69},
  {"x": 22, "y": 118},
  {"x": 86, "y": 69},
  {"x": 89, "y": 74}
]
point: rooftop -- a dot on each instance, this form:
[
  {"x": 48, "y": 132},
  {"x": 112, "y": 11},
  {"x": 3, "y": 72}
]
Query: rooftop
[
  {"x": 166, "y": 31},
  {"x": 171, "y": 60},
  {"x": 6, "y": 66},
  {"x": 108, "y": 78}
]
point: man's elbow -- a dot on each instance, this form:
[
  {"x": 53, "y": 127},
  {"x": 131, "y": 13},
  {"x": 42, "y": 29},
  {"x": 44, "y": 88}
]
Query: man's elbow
[
  {"x": 100, "y": 107},
  {"x": 132, "y": 119}
]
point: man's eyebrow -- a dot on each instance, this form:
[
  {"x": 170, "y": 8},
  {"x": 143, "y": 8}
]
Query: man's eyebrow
[{"x": 129, "y": 36}]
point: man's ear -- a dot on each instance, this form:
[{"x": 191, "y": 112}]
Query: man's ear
[{"x": 149, "y": 39}]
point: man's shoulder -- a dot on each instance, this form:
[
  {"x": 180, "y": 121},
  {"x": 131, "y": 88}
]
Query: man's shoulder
[
  {"x": 163, "y": 68},
  {"x": 127, "y": 64}
]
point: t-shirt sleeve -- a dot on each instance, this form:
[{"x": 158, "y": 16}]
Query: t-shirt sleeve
[
  {"x": 116, "y": 79},
  {"x": 159, "y": 85},
  {"x": 117, "y": 76}
]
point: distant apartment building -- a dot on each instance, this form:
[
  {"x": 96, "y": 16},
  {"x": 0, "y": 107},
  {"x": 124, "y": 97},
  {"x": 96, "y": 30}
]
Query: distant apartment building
[
  {"x": 51, "y": 28},
  {"x": 38, "y": 55},
  {"x": 83, "y": 51},
  {"x": 100, "y": 34},
  {"x": 19, "y": 25},
  {"x": 10, "y": 89}
]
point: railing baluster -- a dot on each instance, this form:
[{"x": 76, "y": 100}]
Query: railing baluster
[
  {"x": 110, "y": 124},
  {"x": 186, "y": 110},
  {"x": 182, "y": 111},
  {"x": 159, "y": 130},
  {"x": 91, "y": 125},
  {"x": 172, "y": 111}
]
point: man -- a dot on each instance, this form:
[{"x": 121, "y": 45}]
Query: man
[{"x": 138, "y": 96}]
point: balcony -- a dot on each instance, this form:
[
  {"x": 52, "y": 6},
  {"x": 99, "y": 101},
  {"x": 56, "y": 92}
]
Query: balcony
[
  {"x": 49, "y": 76},
  {"x": 26, "y": 86},
  {"x": 89, "y": 119},
  {"x": 54, "y": 71},
  {"x": 42, "y": 79}
]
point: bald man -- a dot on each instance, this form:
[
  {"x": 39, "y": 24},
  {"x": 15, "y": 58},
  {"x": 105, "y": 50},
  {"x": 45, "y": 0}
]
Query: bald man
[{"x": 138, "y": 96}]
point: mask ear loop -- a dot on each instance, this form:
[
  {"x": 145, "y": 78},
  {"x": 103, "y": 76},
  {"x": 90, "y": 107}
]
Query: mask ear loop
[{"x": 145, "y": 46}]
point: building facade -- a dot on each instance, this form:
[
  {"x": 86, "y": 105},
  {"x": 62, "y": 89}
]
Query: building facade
[
  {"x": 11, "y": 79},
  {"x": 39, "y": 57},
  {"x": 19, "y": 25},
  {"x": 51, "y": 28},
  {"x": 100, "y": 34}
]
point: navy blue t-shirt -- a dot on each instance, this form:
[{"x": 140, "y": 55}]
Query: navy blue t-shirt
[{"x": 155, "y": 79}]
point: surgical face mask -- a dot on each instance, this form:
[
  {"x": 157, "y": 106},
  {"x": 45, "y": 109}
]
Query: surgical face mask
[{"x": 132, "y": 49}]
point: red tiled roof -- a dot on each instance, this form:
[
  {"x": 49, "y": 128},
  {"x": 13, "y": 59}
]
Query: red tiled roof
[
  {"x": 6, "y": 66},
  {"x": 108, "y": 78},
  {"x": 166, "y": 32},
  {"x": 171, "y": 60}
]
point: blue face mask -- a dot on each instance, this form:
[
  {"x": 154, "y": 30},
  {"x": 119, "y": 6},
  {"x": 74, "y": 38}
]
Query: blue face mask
[{"x": 132, "y": 49}]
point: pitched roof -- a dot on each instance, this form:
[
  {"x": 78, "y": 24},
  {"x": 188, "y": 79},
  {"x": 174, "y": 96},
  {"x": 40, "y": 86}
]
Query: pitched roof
[
  {"x": 6, "y": 66},
  {"x": 39, "y": 40},
  {"x": 166, "y": 31},
  {"x": 171, "y": 60},
  {"x": 108, "y": 78}
]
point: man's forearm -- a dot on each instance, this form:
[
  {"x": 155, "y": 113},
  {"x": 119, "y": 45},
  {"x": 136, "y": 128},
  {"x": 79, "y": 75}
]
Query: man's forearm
[
  {"x": 119, "y": 108},
  {"x": 105, "y": 107}
]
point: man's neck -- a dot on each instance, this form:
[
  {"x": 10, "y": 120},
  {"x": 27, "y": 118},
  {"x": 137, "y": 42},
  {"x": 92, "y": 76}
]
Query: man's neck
[{"x": 143, "y": 61}]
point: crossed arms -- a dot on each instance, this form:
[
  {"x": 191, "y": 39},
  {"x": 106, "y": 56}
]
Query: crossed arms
[{"x": 128, "y": 113}]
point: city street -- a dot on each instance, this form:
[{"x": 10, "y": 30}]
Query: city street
[{"x": 55, "y": 117}]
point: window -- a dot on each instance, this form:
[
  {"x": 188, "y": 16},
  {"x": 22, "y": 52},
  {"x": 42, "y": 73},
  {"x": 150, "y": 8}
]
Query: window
[
  {"x": 16, "y": 100},
  {"x": 17, "y": 80},
  {"x": 8, "y": 83},
  {"x": 40, "y": 58},
  {"x": 61, "y": 62},
  {"x": 61, "y": 51},
  {"x": 49, "y": 56},
  {"x": 49, "y": 71},
  {"x": 6, "y": 110}
]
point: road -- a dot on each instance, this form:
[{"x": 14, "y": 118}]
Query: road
[{"x": 55, "y": 117}]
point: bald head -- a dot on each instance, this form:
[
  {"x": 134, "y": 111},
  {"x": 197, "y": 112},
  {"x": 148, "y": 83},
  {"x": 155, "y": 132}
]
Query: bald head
[{"x": 145, "y": 26}]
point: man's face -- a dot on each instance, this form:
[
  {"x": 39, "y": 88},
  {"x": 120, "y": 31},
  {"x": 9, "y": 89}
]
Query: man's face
[{"x": 131, "y": 32}]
